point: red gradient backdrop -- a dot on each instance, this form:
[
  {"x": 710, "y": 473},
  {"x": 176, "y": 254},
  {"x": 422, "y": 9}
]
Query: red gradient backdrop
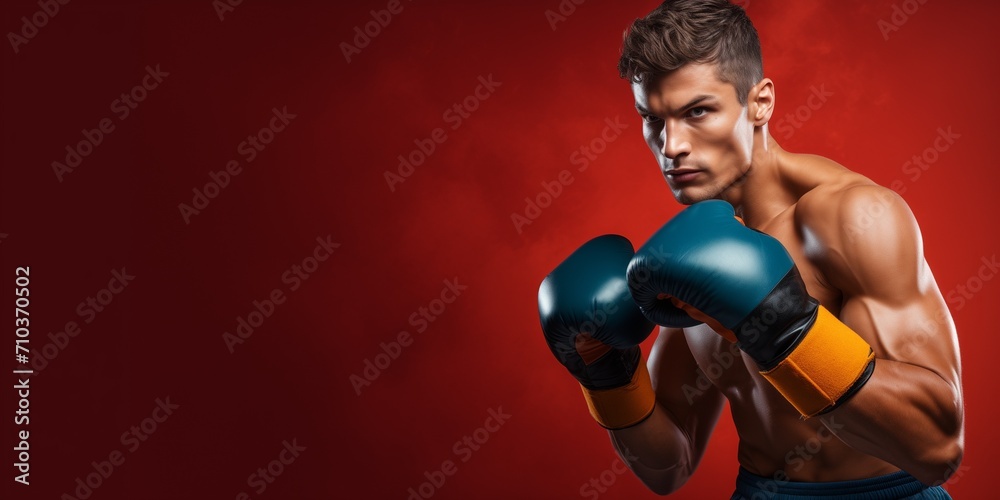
[{"x": 323, "y": 175}]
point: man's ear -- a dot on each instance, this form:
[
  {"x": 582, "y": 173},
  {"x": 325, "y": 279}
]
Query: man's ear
[{"x": 761, "y": 102}]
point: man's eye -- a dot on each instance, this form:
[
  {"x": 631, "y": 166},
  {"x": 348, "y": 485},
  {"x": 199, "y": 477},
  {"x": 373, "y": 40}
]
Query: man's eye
[
  {"x": 698, "y": 112},
  {"x": 650, "y": 118}
]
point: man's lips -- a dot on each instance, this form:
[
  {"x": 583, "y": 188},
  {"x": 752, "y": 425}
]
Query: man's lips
[{"x": 683, "y": 174}]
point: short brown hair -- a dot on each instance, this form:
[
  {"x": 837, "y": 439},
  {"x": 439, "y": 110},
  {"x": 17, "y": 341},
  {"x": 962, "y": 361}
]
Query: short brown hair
[{"x": 679, "y": 32}]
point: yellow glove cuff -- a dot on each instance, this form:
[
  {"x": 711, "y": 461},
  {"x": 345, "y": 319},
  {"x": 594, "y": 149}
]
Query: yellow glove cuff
[
  {"x": 828, "y": 361},
  {"x": 623, "y": 406}
]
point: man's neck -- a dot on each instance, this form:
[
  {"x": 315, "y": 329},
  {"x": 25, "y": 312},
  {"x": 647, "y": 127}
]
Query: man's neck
[{"x": 761, "y": 194}]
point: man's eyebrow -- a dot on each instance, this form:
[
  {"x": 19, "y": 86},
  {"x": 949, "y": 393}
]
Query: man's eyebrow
[
  {"x": 697, "y": 100},
  {"x": 693, "y": 102}
]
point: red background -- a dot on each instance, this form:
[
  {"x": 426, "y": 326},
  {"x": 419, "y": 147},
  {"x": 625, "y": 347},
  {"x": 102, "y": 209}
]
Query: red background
[{"x": 324, "y": 175}]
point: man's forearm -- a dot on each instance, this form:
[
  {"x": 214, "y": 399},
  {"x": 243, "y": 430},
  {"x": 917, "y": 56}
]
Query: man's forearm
[
  {"x": 906, "y": 415},
  {"x": 657, "y": 450}
]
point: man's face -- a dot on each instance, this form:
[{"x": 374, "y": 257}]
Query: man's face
[{"x": 701, "y": 136}]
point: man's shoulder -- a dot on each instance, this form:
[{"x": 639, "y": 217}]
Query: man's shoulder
[
  {"x": 856, "y": 226},
  {"x": 849, "y": 204},
  {"x": 854, "y": 229}
]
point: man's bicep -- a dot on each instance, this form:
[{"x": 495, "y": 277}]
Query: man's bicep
[
  {"x": 682, "y": 390},
  {"x": 918, "y": 332},
  {"x": 890, "y": 296}
]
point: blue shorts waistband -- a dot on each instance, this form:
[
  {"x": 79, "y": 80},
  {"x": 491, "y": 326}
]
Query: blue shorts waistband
[{"x": 900, "y": 484}]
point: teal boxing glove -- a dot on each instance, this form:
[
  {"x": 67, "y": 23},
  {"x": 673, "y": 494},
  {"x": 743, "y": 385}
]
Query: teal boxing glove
[{"x": 704, "y": 265}]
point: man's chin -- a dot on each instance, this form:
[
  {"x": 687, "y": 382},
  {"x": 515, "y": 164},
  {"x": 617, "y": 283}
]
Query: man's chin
[{"x": 690, "y": 196}]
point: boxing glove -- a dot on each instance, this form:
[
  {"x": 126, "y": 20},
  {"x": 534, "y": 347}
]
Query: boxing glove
[
  {"x": 704, "y": 265},
  {"x": 593, "y": 328}
]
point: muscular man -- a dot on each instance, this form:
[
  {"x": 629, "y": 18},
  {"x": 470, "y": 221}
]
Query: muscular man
[{"x": 819, "y": 320}]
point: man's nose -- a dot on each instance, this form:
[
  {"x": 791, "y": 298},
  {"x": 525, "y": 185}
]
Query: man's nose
[{"x": 674, "y": 140}]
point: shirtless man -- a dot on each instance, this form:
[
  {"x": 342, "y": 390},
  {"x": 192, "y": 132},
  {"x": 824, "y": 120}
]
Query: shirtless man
[{"x": 819, "y": 320}]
